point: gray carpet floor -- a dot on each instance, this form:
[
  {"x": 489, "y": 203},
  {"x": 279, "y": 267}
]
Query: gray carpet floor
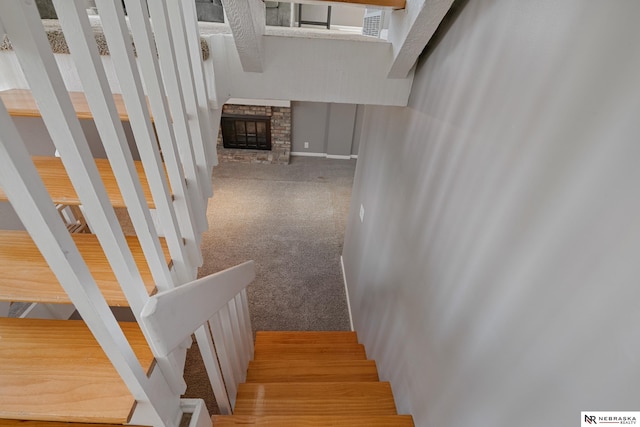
[{"x": 290, "y": 220}]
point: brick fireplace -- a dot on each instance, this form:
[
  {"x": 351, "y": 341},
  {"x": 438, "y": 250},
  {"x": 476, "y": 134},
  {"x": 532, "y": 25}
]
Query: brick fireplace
[{"x": 280, "y": 125}]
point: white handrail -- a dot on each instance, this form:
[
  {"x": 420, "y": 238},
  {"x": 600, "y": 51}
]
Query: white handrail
[
  {"x": 171, "y": 316},
  {"x": 219, "y": 302}
]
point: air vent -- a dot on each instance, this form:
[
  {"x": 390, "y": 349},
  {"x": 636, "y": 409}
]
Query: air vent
[{"x": 372, "y": 22}]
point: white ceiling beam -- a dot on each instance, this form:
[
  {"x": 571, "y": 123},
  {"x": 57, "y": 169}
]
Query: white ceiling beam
[
  {"x": 411, "y": 29},
  {"x": 247, "y": 22}
]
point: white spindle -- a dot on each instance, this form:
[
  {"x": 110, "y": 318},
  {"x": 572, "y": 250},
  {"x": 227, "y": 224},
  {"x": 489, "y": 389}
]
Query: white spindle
[
  {"x": 169, "y": 65},
  {"x": 29, "y": 198},
  {"x": 225, "y": 357},
  {"x": 230, "y": 342},
  {"x": 84, "y": 51},
  {"x": 208, "y": 125},
  {"x": 242, "y": 353},
  {"x": 245, "y": 330},
  {"x": 117, "y": 35},
  {"x": 247, "y": 321},
  {"x": 205, "y": 342},
  {"x": 185, "y": 72},
  {"x": 189, "y": 208}
]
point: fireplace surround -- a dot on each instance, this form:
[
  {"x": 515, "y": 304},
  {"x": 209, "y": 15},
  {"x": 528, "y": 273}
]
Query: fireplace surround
[{"x": 279, "y": 123}]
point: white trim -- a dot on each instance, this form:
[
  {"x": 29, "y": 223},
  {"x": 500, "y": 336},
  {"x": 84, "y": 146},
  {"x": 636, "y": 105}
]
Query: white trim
[
  {"x": 346, "y": 291},
  {"x": 339, "y": 157},
  {"x": 199, "y": 414},
  {"x": 354, "y": 156},
  {"x": 325, "y": 155},
  {"x": 305, "y": 154},
  {"x": 259, "y": 102}
]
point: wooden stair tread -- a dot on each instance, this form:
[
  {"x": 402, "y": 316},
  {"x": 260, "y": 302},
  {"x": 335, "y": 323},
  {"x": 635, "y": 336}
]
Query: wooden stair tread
[
  {"x": 309, "y": 352},
  {"x": 304, "y": 337},
  {"x": 336, "y": 398},
  {"x": 26, "y": 276},
  {"x": 55, "y": 370},
  {"x": 61, "y": 190},
  {"x": 21, "y": 103},
  {"x": 386, "y": 4},
  {"x": 25, "y": 423},
  {"x": 312, "y": 420},
  {"x": 270, "y": 371}
]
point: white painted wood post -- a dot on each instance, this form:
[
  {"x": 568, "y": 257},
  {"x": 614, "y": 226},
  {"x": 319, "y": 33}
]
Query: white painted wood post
[{"x": 117, "y": 35}]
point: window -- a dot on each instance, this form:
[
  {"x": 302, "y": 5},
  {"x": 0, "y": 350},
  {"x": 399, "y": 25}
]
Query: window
[{"x": 246, "y": 132}]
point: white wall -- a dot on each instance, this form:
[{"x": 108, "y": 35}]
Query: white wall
[
  {"x": 309, "y": 69},
  {"x": 495, "y": 277}
]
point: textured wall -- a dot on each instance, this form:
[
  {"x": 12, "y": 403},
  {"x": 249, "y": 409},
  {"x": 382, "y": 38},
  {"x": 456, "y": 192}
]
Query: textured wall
[{"x": 495, "y": 277}]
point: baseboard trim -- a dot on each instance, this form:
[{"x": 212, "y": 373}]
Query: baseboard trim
[
  {"x": 346, "y": 291},
  {"x": 325, "y": 155},
  {"x": 305, "y": 154},
  {"x": 336, "y": 156}
]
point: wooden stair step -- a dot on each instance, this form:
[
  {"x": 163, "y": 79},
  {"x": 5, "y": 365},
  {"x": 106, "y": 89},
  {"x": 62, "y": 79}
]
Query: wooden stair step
[
  {"x": 26, "y": 276},
  {"x": 279, "y": 371},
  {"x": 335, "y": 398},
  {"x": 312, "y": 420},
  {"x": 23, "y": 423},
  {"x": 304, "y": 337},
  {"x": 309, "y": 352},
  {"x": 55, "y": 370},
  {"x": 21, "y": 103},
  {"x": 61, "y": 190}
]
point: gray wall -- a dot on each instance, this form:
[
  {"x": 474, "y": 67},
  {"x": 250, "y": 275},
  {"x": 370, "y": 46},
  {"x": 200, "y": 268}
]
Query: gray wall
[
  {"x": 329, "y": 128},
  {"x": 495, "y": 277}
]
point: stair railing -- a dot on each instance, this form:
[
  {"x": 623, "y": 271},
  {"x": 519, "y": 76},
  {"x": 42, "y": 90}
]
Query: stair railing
[
  {"x": 176, "y": 149},
  {"x": 215, "y": 307}
]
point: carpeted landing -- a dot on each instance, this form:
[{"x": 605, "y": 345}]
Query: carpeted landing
[{"x": 290, "y": 220}]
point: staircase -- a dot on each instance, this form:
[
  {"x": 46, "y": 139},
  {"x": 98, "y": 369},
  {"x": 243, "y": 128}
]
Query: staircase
[{"x": 312, "y": 379}]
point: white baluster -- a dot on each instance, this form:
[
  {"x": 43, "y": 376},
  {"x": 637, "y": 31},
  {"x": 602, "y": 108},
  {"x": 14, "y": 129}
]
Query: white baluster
[
  {"x": 225, "y": 357},
  {"x": 211, "y": 364},
  {"x": 117, "y": 35}
]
